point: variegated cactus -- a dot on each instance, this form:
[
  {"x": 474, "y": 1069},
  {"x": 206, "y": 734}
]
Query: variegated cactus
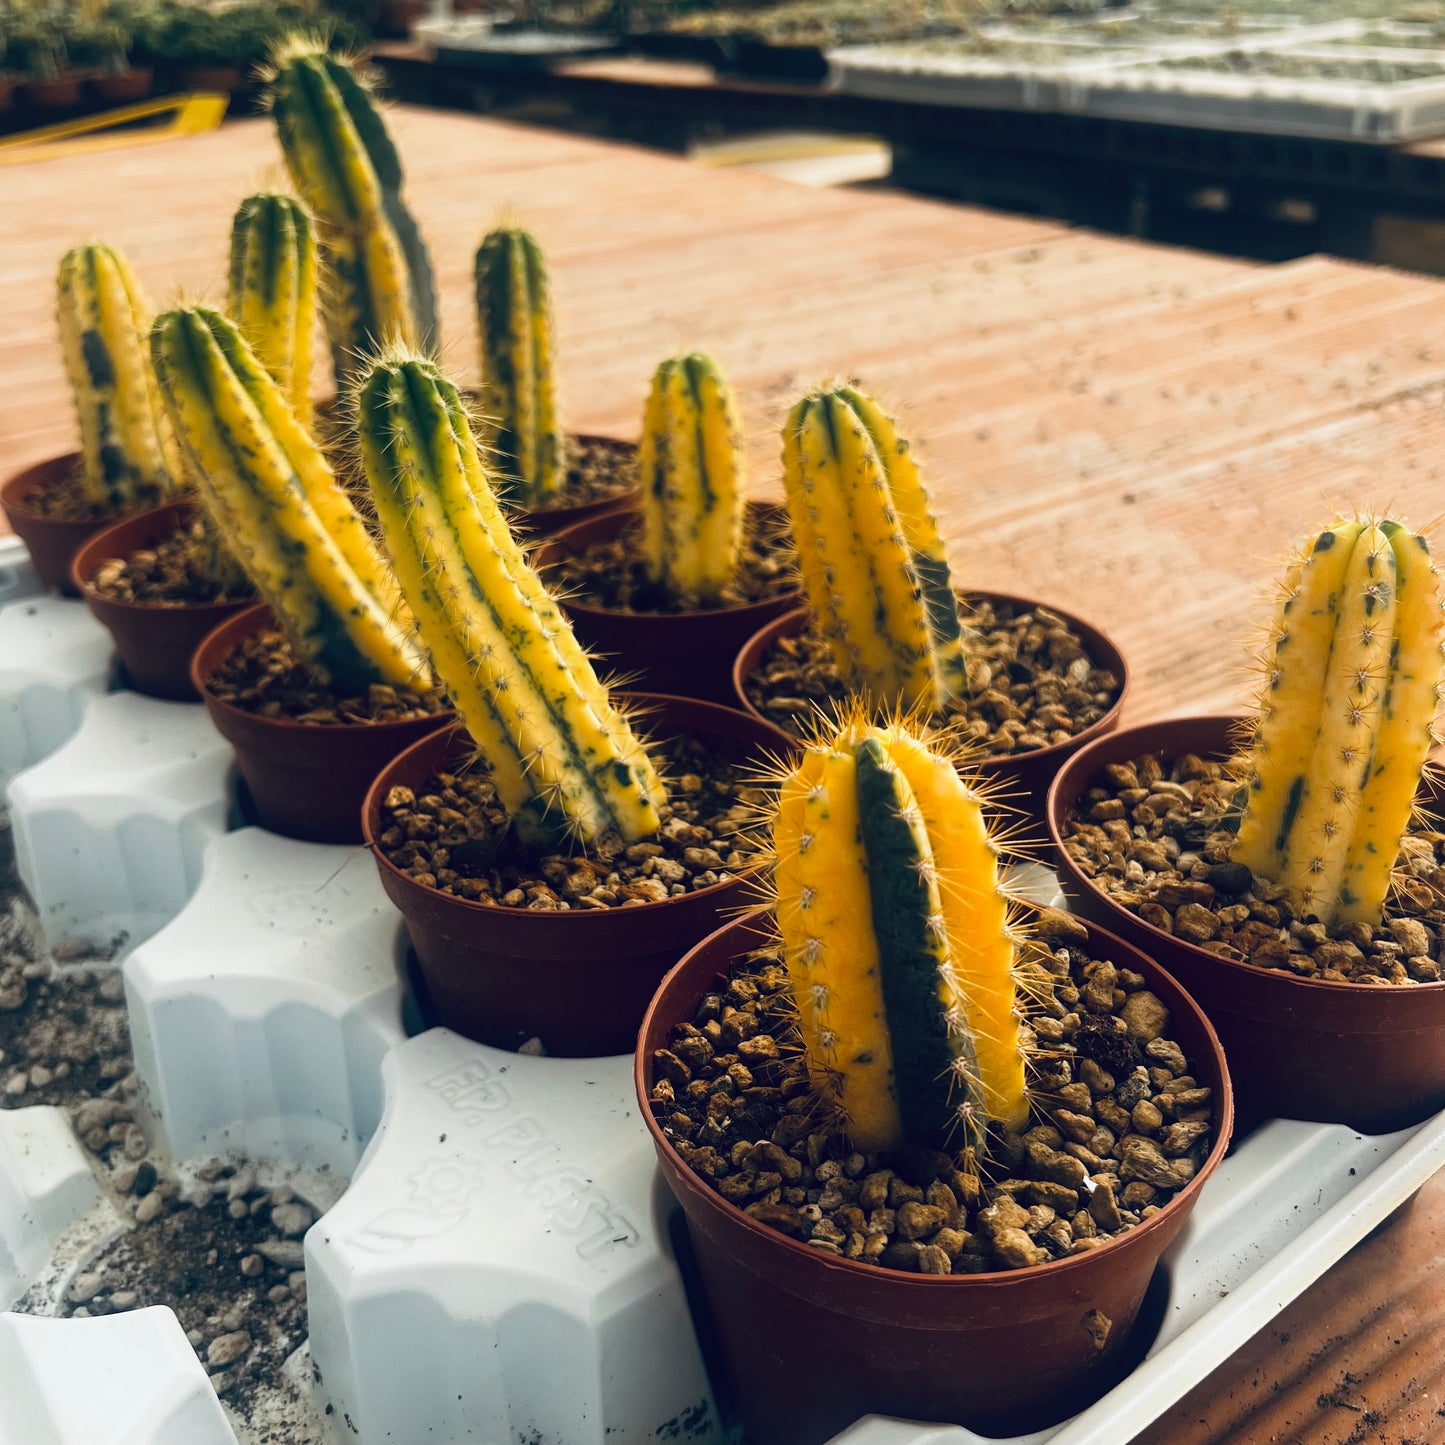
[
  {"x": 872, "y": 560},
  {"x": 693, "y": 480},
  {"x": 378, "y": 280},
  {"x": 1352, "y": 673},
  {"x": 564, "y": 759},
  {"x": 899, "y": 941},
  {"x": 129, "y": 456},
  {"x": 519, "y": 388},
  {"x": 272, "y": 294},
  {"x": 272, "y": 494}
]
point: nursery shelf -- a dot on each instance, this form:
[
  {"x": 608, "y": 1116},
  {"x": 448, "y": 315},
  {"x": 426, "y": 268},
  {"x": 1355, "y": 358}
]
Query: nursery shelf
[{"x": 487, "y": 1216}]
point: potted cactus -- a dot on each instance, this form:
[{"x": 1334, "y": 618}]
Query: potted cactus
[
  {"x": 670, "y": 589},
  {"x": 945, "y": 1142},
  {"x": 546, "y": 875},
  {"x": 319, "y": 686},
  {"x": 161, "y": 581},
  {"x": 548, "y": 479},
  {"x": 128, "y": 459},
  {"x": 1274, "y": 863},
  {"x": 1025, "y": 685}
]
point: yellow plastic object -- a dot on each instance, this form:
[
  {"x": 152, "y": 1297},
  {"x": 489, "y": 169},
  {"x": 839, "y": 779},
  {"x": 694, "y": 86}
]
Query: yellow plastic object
[{"x": 194, "y": 115}]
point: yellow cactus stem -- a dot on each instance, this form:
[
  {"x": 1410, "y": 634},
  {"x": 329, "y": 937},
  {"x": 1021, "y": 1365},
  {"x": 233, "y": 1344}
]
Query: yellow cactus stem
[
  {"x": 378, "y": 278},
  {"x": 871, "y": 556},
  {"x": 519, "y": 387},
  {"x": 564, "y": 759},
  {"x": 277, "y": 502},
  {"x": 1352, "y": 672},
  {"x": 129, "y": 454},
  {"x": 694, "y": 481},
  {"x": 899, "y": 941},
  {"x": 272, "y": 296}
]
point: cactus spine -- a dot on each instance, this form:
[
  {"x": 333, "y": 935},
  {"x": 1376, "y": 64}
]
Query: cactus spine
[
  {"x": 378, "y": 283},
  {"x": 519, "y": 391},
  {"x": 278, "y": 504},
  {"x": 898, "y": 940},
  {"x": 1351, "y": 689},
  {"x": 871, "y": 556},
  {"x": 564, "y": 760},
  {"x": 272, "y": 293},
  {"x": 129, "y": 454},
  {"x": 693, "y": 480}
]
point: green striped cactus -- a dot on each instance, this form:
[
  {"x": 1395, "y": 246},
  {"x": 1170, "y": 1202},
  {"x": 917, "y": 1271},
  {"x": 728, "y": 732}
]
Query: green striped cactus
[
  {"x": 273, "y": 290},
  {"x": 564, "y": 760},
  {"x": 378, "y": 280},
  {"x": 899, "y": 941},
  {"x": 1352, "y": 675},
  {"x": 872, "y": 560},
  {"x": 519, "y": 390},
  {"x": 273, "y": 496},
  {"x": 129, "y": 456},
  {"x": 694, "y": 485}
]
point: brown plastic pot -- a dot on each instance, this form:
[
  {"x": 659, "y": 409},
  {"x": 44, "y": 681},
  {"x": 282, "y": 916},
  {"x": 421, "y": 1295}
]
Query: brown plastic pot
[
  {"x": 1299, "y": 1048},
  {"x": 52, "y": 541},
  {"x": 155, "y": 643},
  {"x": 123, "y": 85},
  {"x": 578, "y": 980},
  {"x": 688, "y": 654},
  {"x": 1022, "y": 779},
  {"x": 306, "y": 780},
  {"x": 549, "y": 521},
  {"x": 807, "y": 1342},
  {"x": 222, "y": 79},
  {"x": 60, "y": 93}
]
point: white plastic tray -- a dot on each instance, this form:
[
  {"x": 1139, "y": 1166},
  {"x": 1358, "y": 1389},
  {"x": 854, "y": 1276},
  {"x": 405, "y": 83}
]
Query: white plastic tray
[{"x": 496, "y": 1262}]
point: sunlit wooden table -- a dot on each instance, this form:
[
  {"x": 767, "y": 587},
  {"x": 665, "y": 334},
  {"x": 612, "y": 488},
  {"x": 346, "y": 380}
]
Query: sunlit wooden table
[{"x": 1135, "y": 432}]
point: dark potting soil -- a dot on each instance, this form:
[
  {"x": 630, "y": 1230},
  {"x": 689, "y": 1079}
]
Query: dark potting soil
[
  {"x": 1032, "y": 685},
  {"x": 453, "y": 836},
  {"x": 1124, "y": 1125},
  {"x": 1152, "y": 836},
  {"x": 225, "y": 1254},
  {"x": 177, "y": 572},
  {"x": 263, "y": 676},
  {"x": 612, "y": 574},
  {"x": 68, "y": 501},
  {"x": 595, "y": 471}
]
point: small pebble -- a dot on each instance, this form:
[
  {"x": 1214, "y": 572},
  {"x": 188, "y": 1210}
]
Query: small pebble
[
  {"x": 149, "y": 1208},
  {"x": 227, "y": 1349}
]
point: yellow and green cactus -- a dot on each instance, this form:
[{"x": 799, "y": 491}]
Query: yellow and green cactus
[
  {"x": 872, "y": 559},
  {"x": 519, "y": 390},
  {"x": 1352, "y": 674},
  {"x": 378, "y": 280},
  {"x": 694, "y": 485},
  {"x": 899, "y": 941},
  {"x": 564, "y": 759},
  {"x": 129, "y": 456},
  {"x": 273, "y": 290},
  {"x": 273, "y": 496}
]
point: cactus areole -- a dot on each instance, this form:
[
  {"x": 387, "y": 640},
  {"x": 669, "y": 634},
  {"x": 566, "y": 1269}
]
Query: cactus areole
[
  {"x": 693, "y": 480},
  {"x": 1351, "y": 688},
  {"x": 873, "y": 563},
  {"x": 519, "y": 387},
  {"x": 899, "y": 942},
  {"x": 378, "y": 285},
  {"x": 564, "y": 759}
]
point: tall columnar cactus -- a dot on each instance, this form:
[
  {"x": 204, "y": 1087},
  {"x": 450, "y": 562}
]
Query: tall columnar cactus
[
  {"x": 280, "y": 507},
  {"x": 898, "y": 940},
  {"x": 693, "y": 481},
  {"x": 565, "y": 761},
  {"x": 129, "y": 453},
  {"x": 870, "y": 552},
  {"x": 272, "y": 292},
  {"x": 1352, "y": 673},
  {"x": 519, "y": 390},
  {"x": 378, "y": 280}
]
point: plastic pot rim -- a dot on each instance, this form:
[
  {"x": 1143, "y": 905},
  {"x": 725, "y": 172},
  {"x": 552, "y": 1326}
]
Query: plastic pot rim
[
  {"x": 1057, "y": 1269},
  {"x": 371, "y": 808},
  {"x": 1083, "y": 764}
]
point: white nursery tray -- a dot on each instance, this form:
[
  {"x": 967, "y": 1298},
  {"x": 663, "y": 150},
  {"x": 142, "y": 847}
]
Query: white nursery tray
[{"x": 499, "y": 1261}]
